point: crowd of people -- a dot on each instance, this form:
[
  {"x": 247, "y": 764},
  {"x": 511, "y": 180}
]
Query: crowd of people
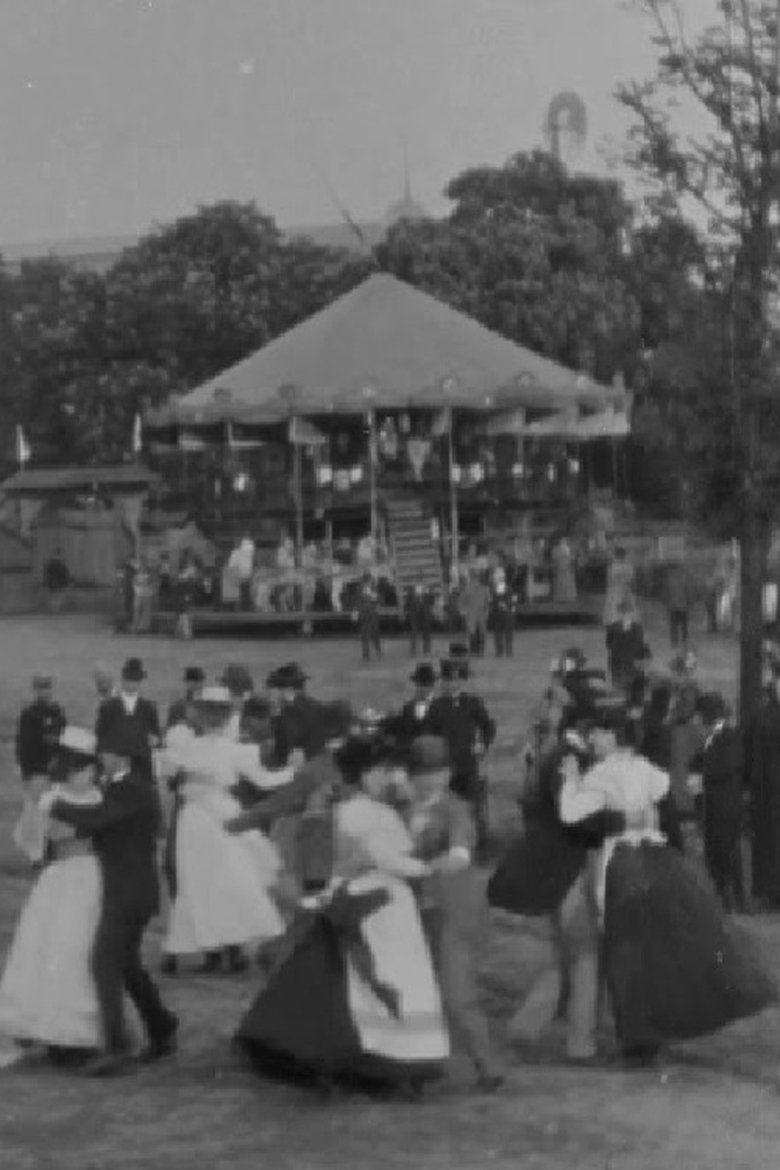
[{"x": 345, "y": 854}]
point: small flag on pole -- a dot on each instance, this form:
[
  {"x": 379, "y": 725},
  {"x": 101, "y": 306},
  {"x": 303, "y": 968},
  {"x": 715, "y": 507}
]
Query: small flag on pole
[
  {"x": 138, "y": 438},
  {"x": 22, "y": 447}
]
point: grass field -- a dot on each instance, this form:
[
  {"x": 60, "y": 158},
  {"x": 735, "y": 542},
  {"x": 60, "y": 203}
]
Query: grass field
[{"x": 713, "y": 1105}]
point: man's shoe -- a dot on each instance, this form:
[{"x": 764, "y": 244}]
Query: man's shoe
[
  {"x": 163, "y": 1045},
  {"x": 109, "y": 1064}
]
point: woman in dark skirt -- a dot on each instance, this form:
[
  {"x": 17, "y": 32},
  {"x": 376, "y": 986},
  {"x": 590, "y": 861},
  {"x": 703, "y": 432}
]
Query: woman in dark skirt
[
  {"x": 353, "y": 996},
  {"x": 675, "y": 966}
]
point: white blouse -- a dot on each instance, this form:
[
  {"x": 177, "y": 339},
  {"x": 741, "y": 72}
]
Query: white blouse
[
  {"x": 623, "y": 782},
  {"x": 217, "y": 761},
  {"x": 370, "y": 835}
]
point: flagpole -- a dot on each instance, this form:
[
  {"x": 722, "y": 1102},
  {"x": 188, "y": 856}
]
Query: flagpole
[
  {"x": 289, "y": 394},
  {"x": 369, "y": 393}
]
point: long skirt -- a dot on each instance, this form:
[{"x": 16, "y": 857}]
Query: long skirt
[
  {"x": 676, "y": 967},
  {"x": 323, "y": 1013},
  {"x": 47, "y": 994},
  {"x": 223, "y": 886}
]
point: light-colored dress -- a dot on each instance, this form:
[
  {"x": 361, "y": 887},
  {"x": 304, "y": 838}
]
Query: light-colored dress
[
  {"x": 373, "y": 852},
  {"x": 623, "y": 782},
  {"x": 224, "y": 881},
  {"x": 47, "y": 993}
]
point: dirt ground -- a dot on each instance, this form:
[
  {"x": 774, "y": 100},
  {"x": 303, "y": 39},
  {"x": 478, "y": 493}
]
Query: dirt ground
[{"x": 712, "y": 1105}]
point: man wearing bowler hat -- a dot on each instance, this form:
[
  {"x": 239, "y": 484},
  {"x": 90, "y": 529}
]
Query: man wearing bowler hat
[
  {"x": 413, "y": 719},
  {"x": 129, "y": 709},
  {"x": 462, "y": 720},
  {"x": 298, "y": 723}
]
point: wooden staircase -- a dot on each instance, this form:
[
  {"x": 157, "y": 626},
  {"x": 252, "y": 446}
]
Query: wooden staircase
[{"x": 416, "y": 556}]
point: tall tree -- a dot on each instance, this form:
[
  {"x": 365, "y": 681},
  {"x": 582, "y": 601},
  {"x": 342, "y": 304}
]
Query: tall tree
[
  {"x": 55, "y": 340},
  {"x": 730, "y": 74},
  {"x": 536, "y": 254},
  {"x": 81, "y": 354},
  {"x": 200, "y": 294}
]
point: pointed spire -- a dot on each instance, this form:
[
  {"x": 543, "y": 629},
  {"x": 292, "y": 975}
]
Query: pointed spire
[{"x": 406, "y": 207}]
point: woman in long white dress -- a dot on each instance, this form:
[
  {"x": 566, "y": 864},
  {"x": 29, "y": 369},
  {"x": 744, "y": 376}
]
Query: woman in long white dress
[
  {"x": 675, "y": 966},
  {"x": 47, "y": 993},
  {"x": 354, "y": 996},
  {"x": 224, "y": 883}
]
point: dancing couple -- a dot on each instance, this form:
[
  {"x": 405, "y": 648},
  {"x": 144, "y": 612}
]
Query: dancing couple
[
  {"x": 629, "y": 911},
  {"x": 378, "y": 969},
  {"x": 77, "y": 946}
]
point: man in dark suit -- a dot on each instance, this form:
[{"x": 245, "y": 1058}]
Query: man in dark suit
[
  {"x": 722, "y": 788},
  {"x": 462, "y": 720},
  {"x": 299, "y": 724},
  {"x": 627, "y": 649},
  {"x": 181, "y": 709},
  {"x": 413, "y": 720},
  {"x": 130, "y": 710},
  {"x": 38, "y": 731},
  {"x": 419, "y": 616},
  {"x": 367, "y": 612},
  {"x": 124, "y": 828}
]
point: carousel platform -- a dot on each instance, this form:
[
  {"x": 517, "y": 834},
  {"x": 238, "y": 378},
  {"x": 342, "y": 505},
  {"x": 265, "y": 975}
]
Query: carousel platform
[{"x": 233, "y": 623}]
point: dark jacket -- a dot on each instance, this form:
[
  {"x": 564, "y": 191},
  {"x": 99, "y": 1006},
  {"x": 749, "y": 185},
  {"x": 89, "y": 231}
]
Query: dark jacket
[
  {"x": 112, "y": 716},
  {"x": 542, "y": 864},
  {"x": 404, "y": 727},
  {"x": 419, "y": 609},
  {"x": 463, "y": 721},
  {"x": 124, "y": 829},
  {"x": 626, "y": 647},
  {"x": 678, "y": 589},
  {"x": 179, "y": 712},
  {"x": 298, "y": 726},
  {"x": 722, "y": 777},
  {"x": 37, "y": 735}
]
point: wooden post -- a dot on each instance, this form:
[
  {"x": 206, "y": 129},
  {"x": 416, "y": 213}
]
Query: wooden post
[
  {"x": 298, "y": 490},
  {"x": 454, "y": 514}
]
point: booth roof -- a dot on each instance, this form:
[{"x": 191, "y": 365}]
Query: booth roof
[
  {"x": 47, "y": 480},
  {"x": 399, "y": 343}
]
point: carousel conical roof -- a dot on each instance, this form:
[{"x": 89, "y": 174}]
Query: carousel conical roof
[{"x": 402, "y": 345}]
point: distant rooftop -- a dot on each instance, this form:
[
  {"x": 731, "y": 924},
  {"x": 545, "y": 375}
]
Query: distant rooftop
[{"x": 99, "y": 253}]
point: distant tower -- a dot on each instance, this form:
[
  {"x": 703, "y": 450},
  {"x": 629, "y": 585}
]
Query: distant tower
[
  {"x": 566, "y": 127},
  {"x": 406, "y": 207}
]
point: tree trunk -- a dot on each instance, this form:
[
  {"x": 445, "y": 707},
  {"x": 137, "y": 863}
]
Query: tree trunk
[{"x": 753, "y": 546}]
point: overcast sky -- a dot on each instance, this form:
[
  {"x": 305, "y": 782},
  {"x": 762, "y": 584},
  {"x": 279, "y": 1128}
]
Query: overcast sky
[{"x": 115, "y": 114}]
